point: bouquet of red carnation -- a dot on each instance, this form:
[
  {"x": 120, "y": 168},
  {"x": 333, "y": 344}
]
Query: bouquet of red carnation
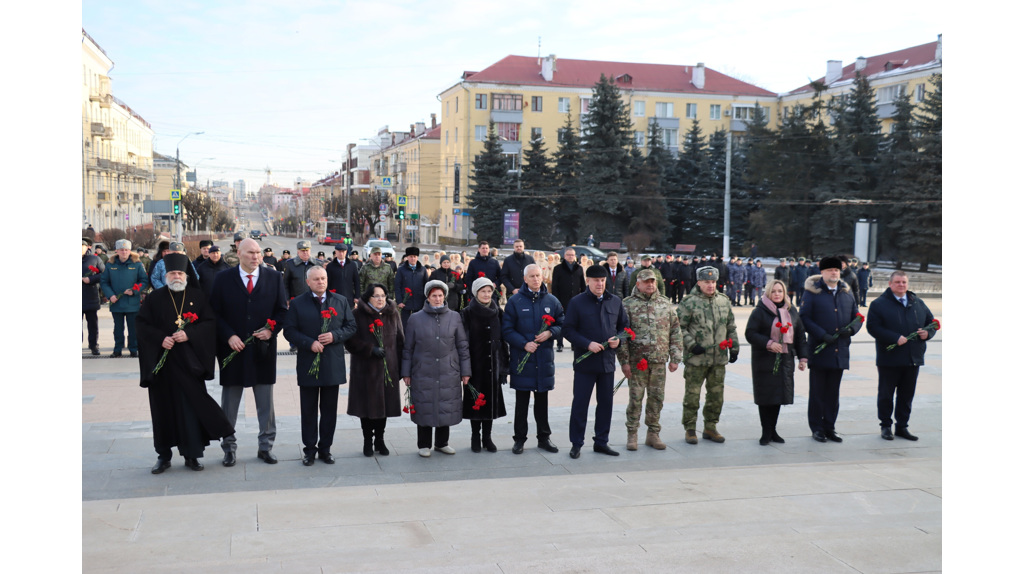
[
  {"x": 269, "y": 325},
  {"x": 627, "y": 332},
  {"x": 326, "y": 315},
  {"x": 408, "y": 293},
  {"x": 778, "y": 356},
  {"x": 641, "y": 366},
  {"x": 548, "y": 322},
  {"x": 477, "y": 396},
  {"x": 912, "y": 336},
  {"x": 409, "y": 407},
  {"x": 95, "y": 270},
  {"x": 137, "y": 287},
  {"x": 726, "y": 344},
  {"x": 377, "y": 328},
  {"x": 858, "y": 319},
  {"x": 186, "y": 318}
]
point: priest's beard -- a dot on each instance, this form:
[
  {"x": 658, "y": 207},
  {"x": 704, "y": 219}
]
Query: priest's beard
[{"x": 177, "y": 285}]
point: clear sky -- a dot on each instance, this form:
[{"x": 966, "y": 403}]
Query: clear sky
[{"x": 288, "y": 84}]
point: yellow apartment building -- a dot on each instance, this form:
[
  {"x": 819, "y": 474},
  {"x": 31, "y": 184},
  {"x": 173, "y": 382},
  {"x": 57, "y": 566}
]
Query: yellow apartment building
[
  {"x": 411, "y": 160},
  {"x": 117, "y": 149}
]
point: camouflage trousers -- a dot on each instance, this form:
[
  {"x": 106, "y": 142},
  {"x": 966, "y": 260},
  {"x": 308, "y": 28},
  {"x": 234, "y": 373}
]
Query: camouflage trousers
[
  {"x": 653, "y": 381},
  {"x": 695, "y": 377}
]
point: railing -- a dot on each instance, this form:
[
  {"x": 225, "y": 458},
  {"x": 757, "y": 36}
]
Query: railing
[{"x": 97, "y": 128}]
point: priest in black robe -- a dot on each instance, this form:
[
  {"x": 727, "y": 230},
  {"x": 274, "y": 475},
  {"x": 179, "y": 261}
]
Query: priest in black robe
[{"x": 184, "y": 414}]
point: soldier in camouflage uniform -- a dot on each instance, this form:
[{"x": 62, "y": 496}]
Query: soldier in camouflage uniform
[
  {"x": 645, "y": 263},
  {"x": 706, "y": 320},
  {"x": 231, "y": 257},
  {"x": 376, "y": 271},
  {"x": 659, "y": 340}
]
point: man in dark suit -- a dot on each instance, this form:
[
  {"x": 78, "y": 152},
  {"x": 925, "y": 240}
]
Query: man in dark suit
[
  {"x": 566, "y": 283},
  {"x": 209, "y": 269},
  {"x": 304, "y": 328},
  {"x": 343, "y": 275},
  {"x": 244, "y": 299},
  {"x": 512, "y": 268},
  {"x": 593, "y": 318}
]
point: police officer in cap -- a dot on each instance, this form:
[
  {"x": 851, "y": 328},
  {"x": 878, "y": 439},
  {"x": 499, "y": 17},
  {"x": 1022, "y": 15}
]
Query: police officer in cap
[
  {"x": 296, "y": 268},
  {"x": 268, "y": 257},
  {"x": 231, "y": 257}
]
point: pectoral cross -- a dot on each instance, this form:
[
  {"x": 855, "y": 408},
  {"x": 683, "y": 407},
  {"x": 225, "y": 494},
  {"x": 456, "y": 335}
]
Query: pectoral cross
[{"x": 180, "y": 322}]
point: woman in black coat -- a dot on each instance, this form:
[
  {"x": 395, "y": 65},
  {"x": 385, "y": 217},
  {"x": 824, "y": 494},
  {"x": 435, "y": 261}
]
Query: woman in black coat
[
  {"x": 370, "y": 396},
  {"x": 445, "y": 274},
  {"x": 488, "y": 356},
  {"x": 767, "y": 341}
]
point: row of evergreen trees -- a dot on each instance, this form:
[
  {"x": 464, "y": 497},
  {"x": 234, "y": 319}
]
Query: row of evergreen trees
[{"x": 782, "y": 180}]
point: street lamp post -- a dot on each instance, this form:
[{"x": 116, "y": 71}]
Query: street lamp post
[{"x": 177, "y": 151}]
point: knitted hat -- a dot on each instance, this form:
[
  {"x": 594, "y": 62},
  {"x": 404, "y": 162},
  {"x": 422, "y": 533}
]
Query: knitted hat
[
  {"x": 480, "y": 283},
  {"x": 435, "y": 284}
]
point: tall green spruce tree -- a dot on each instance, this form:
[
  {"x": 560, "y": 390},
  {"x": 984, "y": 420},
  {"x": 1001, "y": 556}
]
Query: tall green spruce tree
[
  {"x": 648, "y": 221},
  {"x": 745, "y": 196},
  {"x": 491, "y": 186},
  {"x": 565, "y": 189},
  {"x": 605, "y": 178},
  {"x": 688, "y": 165},
  {"x": 534, "y": 200}
]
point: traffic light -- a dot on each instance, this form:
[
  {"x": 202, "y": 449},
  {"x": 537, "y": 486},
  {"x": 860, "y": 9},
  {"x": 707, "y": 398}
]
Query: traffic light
[
  {"x": 177, "y": 208},
  {"x": 401, "y": 212}
]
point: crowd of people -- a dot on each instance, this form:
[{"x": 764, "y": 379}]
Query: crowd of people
[{"x": 453, "y": 330}]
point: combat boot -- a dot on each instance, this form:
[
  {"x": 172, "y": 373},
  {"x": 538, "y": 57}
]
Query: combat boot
[
  {"x": 653, "y": 440},
  {"x": 630, "y": 439},
  {"x": 691, "y": 436},
  {"x": 712, "y": 435}
]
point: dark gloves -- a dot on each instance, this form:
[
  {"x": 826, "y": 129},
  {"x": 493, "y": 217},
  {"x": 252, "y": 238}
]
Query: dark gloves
[
  {"x": 378, "y": 352},
  {"x": 734, "y": 355},
  {"x": 697, "y": 350},
  {"x": 828, "y": 339},
  {"x": 847, "y": 332}
]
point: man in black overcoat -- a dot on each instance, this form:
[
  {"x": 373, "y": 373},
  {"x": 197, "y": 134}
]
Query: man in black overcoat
[
  {"x": 343, "y": 275},
  {"x": 209, "y": 269},
  {"x": 184, "y": 414},
  {"x": 566, "y": 283},
  {"x": 243, "y": 300}
]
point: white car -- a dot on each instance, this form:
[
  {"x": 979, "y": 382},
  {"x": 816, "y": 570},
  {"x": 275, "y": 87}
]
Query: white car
[{"x": 385, "y": 248}]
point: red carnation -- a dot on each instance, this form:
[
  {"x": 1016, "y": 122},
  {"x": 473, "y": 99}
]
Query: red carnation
[
  {"x": 480, "y": 274},
  {"x": 642, "y": 365},
  {"x": 548, "y": 320},
  {"x": 93, "y": 269},
  {"x": 861, "y": 317},
  {"x": 937, "y": 324},
  {"x": 137, "y": 286},
  {"x": 378, "y": 323},
  {"x": 334, "y": 290},
  {"x": 271, "y": 324}
]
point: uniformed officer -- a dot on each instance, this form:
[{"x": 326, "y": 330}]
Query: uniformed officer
[
  {"x": 658, "y": 340},
  {"x": 296, "y": 269},
  {"x": 377, "y": 271},
  {"x": 706, "y": 321},
  {"x": 647, "y": 263},
  {"x": 231, "y": 257}
]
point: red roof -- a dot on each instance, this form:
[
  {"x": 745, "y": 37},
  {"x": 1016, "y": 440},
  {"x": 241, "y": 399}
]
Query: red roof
[
  {"x": 525, "y": 70},
  {"x": 901, "y": 60},
  {"x": 433, "y": 133}
]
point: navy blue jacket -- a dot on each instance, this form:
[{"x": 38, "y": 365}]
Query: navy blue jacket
[
  {"x": 822, "y": 313},
  {"x": 797, "y": 276},
  {"x": 241, "y": 313},
  {"x": 864, "y": 279},
  {"x": 512, "y": 272},
  {"x": 343, "y": 279},
  {"x": 520, "y": 325},
  {"x": 487, "y": 265},
  {"x": 589, "y": 320},
  {"x": 303, "y": 324},
  {"x": 415, "y": 279},
  {"x": 888, "y": 320}
]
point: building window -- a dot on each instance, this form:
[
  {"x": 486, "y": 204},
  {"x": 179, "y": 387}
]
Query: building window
[
  {"x": 892, "y": 128},
  {"x": 537, "y": 103},
  {"x": 507, "y": 131},
  {"x": 743, "y": 113},
  {"x": 446, "y": 165},
  {"x": 447, "y": 109},
  {"x": 511, "y": 160},
  {"x": 563, "y": 105},
  {"x": 480, "y": 133},
  {"x": 456, "y": 133},
  {"x": 584, "y": 106},
  {"x": 481, "y": 101},
  {"x": 664, "y": 110},
  {"x": 445, "y": 137},
  {"x": 535, "y": 133},
  {"x": 691, "y": 111},
  {"x": 919, "y": 93},
  {"x": 561, "y": 135},
  {"x": 639, "y": 109},
  {"x": 670, "y": 137},
  {"x": 638, "y": 137},
  {"x": 456, "y": 104},
  {"x": 507, "y": 102},
  {"x": 716, "y": 111},
  {"x": 785, "y": 113},
  {"x": 889, "y": 94}
]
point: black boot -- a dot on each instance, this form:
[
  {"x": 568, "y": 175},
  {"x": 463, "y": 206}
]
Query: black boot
[
  {"x": 766, "y": 436},
  {"x": 474, "y": 444},
  {"x": 378, "y": 439},
  {"x": 488, "y": 443},
  {"x": 368, "y": 442}
]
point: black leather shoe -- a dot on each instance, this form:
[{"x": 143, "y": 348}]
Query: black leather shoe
[
  {"x": 574, "y": 452},
  {"x": 161, "y": 465},
  {"x": 904, "y": 433},
  {"x": 193, "y": 463},
  {"x": 94, "y": 350},
  {"x": 605, "y": 449},
  {"x": 819, "y": 436},
  {"x": 229, "y": 459},
  {"x": 116, "y": 355},
  {"x": 887, "y": 433},
  {"x": 832, "y": 436},
  {"x": 133, "y": 354},
  {"x": 308, "y": 460},
  {"x": 546, "y": 444},
  {"x": 517, "y": 447},
  {"x": 266, "y": 456},
  {"x": 777, "y": 438},
  {"x": 558, "y": 350},
  {"x": 327, "y": 457}
]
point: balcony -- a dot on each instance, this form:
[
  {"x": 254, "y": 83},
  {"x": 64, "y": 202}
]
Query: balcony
[
  {"x": 398, "y": 168},
  {"x": 507, "y": 116},
  {"x": 104, "y": 163},
  {"x": 667, "y": 123},
  {"x": 400, "y": 189},
  {"x": 738, "y": 125},
  {"x": 108, "y": 133},
  {"x": 886, "y": 110},
  {"x": 102, "y": 196},
  {"x": 97, "y": 129}
]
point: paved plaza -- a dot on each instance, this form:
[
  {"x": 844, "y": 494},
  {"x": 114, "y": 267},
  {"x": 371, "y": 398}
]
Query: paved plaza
[{"x": 866, "y": 505}]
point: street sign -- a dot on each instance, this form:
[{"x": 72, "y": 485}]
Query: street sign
[
  {"x": 383, "y": 218},
  {"x": 383, "y": 208},
  {"x": 385, "y": 182},
  {"x": 175, "y": 194},
  {"x": 414, "y": 216},
  {"x": 403, "y": 200}
]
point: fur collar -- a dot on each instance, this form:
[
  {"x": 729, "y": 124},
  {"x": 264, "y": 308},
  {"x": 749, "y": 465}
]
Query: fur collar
[{"x": 812, "y": 285}]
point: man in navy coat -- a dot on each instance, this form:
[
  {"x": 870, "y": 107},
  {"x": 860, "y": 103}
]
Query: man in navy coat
[
  {"x": 523, "y": 319},
  {"x": 303, "y": 327},
  {"x": 243, "y": 298},
  {"x": 593, "y": 318},
  {"x": 343, "y": 275},
  {"x": 411, "y": 275},
  {"x": 827, "y": 308},
  {"x": 482, "y": 263}
]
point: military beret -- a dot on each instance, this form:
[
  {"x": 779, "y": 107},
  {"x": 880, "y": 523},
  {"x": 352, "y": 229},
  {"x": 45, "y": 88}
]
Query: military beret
[
  {"x": 645, "y": 275},
  {"x": 122, "y": 244},
  {"x": 303, "y": 244},
  {"x": 239, "y": 236},
  {"x": 830, "y": 263},
  {"x": 374, "y": 250},
  {"x": 205, "y": 243},
  {"x": 176, "y": 246},
  {"x": 597, "y": 272},
  {"x": 214, "y": 249},
  {"x": 707, "y": 273},
  {"x": 412, "y": 250}
]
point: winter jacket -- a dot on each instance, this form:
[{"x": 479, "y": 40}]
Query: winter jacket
[
  {"x": 659, "y": 279},
  {"x": 782, "y": 274},
  {"x": 208, "y": 271},
  {"x": 797, "y": 277},
  {"x": 488, "y": 357},
  {"x": 456, "y": 289},
  {"x": 822, "y": 313},
  {"x": 864, "y": 279},
  {"x": 91, "y": 290},
  {"x": 758, "y": 277},
  {"x": 511, "y": 273},
  {"x": 303, "y": 324},
  {"x": 773, "y": 388},
  {"x": 382, "y": 274},
  {"x": 343, "y": 279},
  {"x": 520, "y": 324},
  {"x": 707, "y": 321},
  {"x": 618, "y": 285},
  {"x": 687, "y": 276},
  {"x": 654, "y": 320},
  {"x": 723, "y": 272},
  {"x": 738, "y": 275},
  {"x": 295, "y": 275},
  {"x": 888, "y": 320},
  {"x": 851, "y": 279},
  {"x": 567, "y": 282},
  {"x": 120, "y": 275},
  {"x": 436, "y": 356},
  {"x": 489, "y": 266},
  {"x": 591, "y": 320},
  {"x": 414, "y": 278},
  {"x": 369, "y": 394}
]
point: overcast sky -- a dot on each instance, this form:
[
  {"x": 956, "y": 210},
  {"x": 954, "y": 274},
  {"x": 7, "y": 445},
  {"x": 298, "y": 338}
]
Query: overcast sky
[{"x": 288, "y": 84}]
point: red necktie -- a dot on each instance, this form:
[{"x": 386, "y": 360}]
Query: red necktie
[{"x": 248, "y": 287}]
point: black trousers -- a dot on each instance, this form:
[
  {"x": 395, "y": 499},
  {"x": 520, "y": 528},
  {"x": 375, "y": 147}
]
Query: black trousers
[
  {"x": 748, "y": 290},
  {"x": 863, "y": 297},
  {"x": 423, "y": 436},
  {"x": 903, "y": 382},
  {"x": 93, "y": 326},
  {"x": 582, "y": 389},
  {"x": 309, "y": 397},
  {"x": 769, "y": 417},
  {"x": 799, "y": 296},
  {"x": 823, "y": 399},
  {"x": 485, "y": 426},
  {"x": 540, "y": 415},
  {"x": 375, "y": 425}
]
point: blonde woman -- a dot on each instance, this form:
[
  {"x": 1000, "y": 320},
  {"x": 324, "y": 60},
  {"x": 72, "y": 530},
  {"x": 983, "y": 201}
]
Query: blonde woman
[{"x": 585, "y": 262}]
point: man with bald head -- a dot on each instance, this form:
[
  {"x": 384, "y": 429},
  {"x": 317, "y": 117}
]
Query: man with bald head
[{"x": 243, "y": 300}]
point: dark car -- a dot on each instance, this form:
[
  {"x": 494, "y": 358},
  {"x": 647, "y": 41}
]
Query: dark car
[
  {"x": 255, "y": 234},
  {"x": 595, "y": 254}
]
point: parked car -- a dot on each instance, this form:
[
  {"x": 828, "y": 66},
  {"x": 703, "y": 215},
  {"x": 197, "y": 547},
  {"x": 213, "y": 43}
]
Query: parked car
[
  {"x": 593, "y": 253},
  {"x": 385, "y": 248}
]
